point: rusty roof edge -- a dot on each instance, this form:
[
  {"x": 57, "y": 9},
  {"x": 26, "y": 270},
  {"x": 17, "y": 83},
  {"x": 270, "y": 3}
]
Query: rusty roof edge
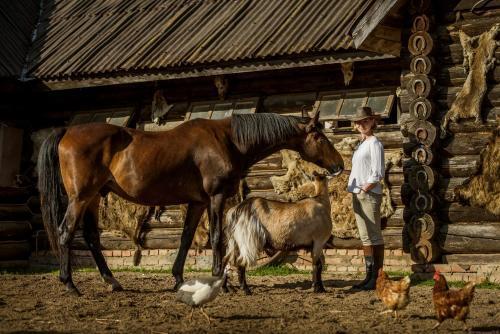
[
  {"x": 370, "y": 20},
  {"x": 204, "y": 71}
]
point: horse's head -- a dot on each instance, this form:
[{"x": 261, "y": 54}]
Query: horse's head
[{"x": 316, "y": 148}]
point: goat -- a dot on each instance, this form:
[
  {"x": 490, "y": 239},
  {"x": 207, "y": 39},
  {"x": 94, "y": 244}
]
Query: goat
[{"x": 259, "y": 224}]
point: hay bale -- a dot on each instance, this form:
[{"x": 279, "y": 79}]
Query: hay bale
[
  {"x": 124, "y": 218},
  {"x": 296, "y": 184},
  {"x": 483, "y": 190}
]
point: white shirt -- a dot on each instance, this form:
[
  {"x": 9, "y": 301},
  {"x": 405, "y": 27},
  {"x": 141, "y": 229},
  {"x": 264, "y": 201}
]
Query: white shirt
[{"x": 367, "y": 166}]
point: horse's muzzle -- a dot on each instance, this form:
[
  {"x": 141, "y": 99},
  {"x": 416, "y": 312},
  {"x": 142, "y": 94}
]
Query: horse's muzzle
[{"x": 337, "y": 170}]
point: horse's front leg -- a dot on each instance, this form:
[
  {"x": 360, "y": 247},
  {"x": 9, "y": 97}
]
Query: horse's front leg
[
  {"x": 193, "y": 215},
  {"x": 216, "y": 235}
]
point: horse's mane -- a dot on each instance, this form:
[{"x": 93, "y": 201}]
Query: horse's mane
[{"x": 250, "y": 130}]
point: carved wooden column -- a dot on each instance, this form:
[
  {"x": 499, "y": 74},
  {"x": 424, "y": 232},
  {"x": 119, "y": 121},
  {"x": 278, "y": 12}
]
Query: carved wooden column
[{"x": 421, "y": 225}]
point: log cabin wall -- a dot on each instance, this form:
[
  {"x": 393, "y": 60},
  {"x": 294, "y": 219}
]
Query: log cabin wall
[
  {"x": 467, "y": 234},
  {"x": 465, "y": 229}
]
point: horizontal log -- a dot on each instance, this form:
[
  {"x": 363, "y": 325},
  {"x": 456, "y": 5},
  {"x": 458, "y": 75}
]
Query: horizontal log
[
  {"x": 455, "y": 76},
  {"x": 15, "y": 230},
  {"x": 460, "y": 166},
  {"x": 470, "y": 238},
  {"x": 11, "y": 264},
  {"x": 446, "y": 95},
  {"x": 14, "y": 212},
  {"x": 14, "y": 250},
  {"x": 271, "y": 162},
  {"x": 452, "y": 54},
  {"x": 472, "y": 26},
  {"x": 163, "y": 238},
  {"x": 14, "y": 195},
  {"x": 488, "y": 230},
  {"x": 393, "y": 239},
  {"x": 109, "y": 240},
  {"x": 456, "y": 213},
  {"x": 472, "y": 258},
  {"x": 466, "y": 143}
]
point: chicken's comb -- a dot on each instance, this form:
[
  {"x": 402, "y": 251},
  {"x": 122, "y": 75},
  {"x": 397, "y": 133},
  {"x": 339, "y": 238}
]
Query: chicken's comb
[{"x": 436, "y": 274}]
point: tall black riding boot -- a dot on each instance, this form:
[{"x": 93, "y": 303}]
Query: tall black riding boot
[
  {"x": 378, "y": 262},
  {"x": 369, "y": 262}
]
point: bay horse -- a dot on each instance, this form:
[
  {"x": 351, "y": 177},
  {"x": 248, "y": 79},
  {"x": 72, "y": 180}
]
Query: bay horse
[{"x": 199, "y": 162}]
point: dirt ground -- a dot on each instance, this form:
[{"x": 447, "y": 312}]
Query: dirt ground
[{"x": 284, "y": 304}]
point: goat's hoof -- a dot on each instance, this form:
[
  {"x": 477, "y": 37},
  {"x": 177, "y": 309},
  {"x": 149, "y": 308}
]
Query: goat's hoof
[
  {"x": 247, "y": 291},
  {"x": 116, "y": 287},
  {"x": 225, "y": 289}
]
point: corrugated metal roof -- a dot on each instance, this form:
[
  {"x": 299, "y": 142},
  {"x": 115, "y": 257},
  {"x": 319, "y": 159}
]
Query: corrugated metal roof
[
  {"x": 79, "y": 38},
  {"x": 17, "y": 22}
]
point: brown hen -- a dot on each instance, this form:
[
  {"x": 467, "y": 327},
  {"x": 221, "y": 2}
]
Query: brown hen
[
  {"x": 451, "y": 304},
  {"x": 395, "y": 295}
]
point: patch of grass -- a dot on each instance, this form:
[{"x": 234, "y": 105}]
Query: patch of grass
[
  {"x": 458, "y": 284},
  {"x": 276, "y": 271}
]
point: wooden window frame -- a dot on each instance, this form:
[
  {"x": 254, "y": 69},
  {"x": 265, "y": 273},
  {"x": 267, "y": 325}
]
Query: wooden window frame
[
  {"x": 211, "y": 106},
  {"x": 101, "y": 112},
  {"x": 342, "y": 98}
]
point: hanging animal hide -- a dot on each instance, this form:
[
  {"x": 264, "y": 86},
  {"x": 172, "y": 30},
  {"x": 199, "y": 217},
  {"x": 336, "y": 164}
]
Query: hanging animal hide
[
  {"x": 479, "y": 59},
  {"x": 348, "y": 72},
  {"x": 483, "y": 190},
  {"x": 159, "y": 107},
  {"x": 297, "y": 184}
]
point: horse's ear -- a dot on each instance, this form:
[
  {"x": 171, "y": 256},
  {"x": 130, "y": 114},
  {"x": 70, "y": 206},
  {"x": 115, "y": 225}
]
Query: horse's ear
[{"x": 313, "y": 122}]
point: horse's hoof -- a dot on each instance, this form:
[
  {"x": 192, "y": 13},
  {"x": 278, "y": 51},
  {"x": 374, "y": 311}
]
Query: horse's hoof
[
  {"x": 116, "y": 287},
  {"x": 248, "y": 292},
  {"x": 319, "y": 289},
  {"x": 225, "y": 289},
  {"x": 73, "y": 291}
]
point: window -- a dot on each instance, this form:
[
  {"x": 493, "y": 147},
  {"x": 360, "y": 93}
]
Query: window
[
  {"x": 342, "y": 106},
  {"x": 223, "y": 109},
  {"x": 112, "y": 116}
]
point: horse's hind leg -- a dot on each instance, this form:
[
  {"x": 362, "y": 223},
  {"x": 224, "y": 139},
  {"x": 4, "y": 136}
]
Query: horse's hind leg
[
  {"x": 91, "y": 235},
  {"x": 73, "y": 216}
]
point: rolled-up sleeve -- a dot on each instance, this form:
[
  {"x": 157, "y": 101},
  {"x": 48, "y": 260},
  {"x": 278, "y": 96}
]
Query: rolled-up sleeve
[{"x": 377, "y": 168}]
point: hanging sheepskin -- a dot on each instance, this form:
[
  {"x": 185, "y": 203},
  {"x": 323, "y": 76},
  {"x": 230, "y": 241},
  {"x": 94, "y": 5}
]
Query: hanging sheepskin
[
  {"x": 479, "y": 59},
  {"x": 483, "y": 190}
]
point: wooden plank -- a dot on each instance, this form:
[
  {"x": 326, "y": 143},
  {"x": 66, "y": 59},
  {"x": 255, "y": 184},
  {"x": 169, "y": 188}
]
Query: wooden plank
[
  {"x": 370, "y": 21},
  {"x": 15, "y": 230},
  {"x": 14, "y": 212},
  {"x": 14, "y": 195},
  {"x": 14, "y": 250},
  {"x": 456, "y": 213},
  {"x": 392, "y": 238},
  {"x": 472, "y": 258},
  {"x": 481, "y": 237},
  {"x": 466, "y": 143}
]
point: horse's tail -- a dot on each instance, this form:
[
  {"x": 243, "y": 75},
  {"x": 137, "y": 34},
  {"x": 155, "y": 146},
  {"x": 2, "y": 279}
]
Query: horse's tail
[
  {"x": 49, "y": 185},
  {"x": 245, "y": 235}
]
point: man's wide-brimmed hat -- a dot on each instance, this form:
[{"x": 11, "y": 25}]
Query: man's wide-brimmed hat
[{"x": 364, "y": 112}]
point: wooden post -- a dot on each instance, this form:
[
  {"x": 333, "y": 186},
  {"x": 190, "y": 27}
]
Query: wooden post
[{"x": 421, "y": 226}]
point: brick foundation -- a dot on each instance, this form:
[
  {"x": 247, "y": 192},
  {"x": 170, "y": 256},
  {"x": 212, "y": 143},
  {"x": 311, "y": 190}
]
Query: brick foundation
[{"x": 350, "y": 261}]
